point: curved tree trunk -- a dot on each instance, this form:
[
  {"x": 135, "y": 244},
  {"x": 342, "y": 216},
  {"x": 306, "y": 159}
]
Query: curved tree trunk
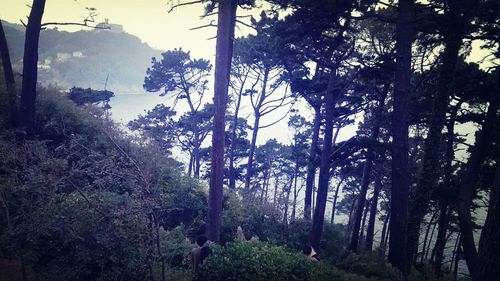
[
  {"x": 223, "y": 55},
  {"x": 30, "y": 62}
]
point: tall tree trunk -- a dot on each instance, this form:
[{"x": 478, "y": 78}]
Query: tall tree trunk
[
  {"x": 9, "y": 78},
  {"x": 373, "y": 207},
  {"x": 312, "y": 164},
  {"x": 30, "y": 61},
  {"x": 223, "y": 55},
  {"x": 331, "y": 97},
  {"x": 400, "y": 174},
  {"x": 489, "y": 244},
  {"x": 334, "y": 205},
  {"x": 430, "y": 167},
  {"x": 444, "y": 213},
  {"x": 467, "y": 188}
]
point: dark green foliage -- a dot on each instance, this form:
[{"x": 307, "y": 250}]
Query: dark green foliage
[
  {"x": 370, "y": 266},
  {"x": 252, "y": 261},
  {"x": 82, "y": 96},
  {"x": 157, "y": 125},
  {"x": 83, "y": 202}
]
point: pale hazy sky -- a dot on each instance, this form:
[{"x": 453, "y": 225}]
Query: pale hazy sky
[{"x": 147, "y": 19}]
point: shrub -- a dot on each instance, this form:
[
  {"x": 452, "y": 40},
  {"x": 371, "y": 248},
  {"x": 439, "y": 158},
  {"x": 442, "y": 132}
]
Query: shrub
[
  {"x": 254, "y": 261},
  {"x": 370, "y": 266}
]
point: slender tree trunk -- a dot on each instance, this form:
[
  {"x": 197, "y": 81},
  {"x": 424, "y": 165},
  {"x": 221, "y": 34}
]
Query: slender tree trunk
[
  {"x": 312, "y": 164},
  {"x": 232, "y": 170},
  {"x": 400, "y": 174},
  {"x": 223, "y": 55},
  {"x": 331, "y": 97},
  {"x": 256, "y": 124},
  {"x": 276, "y": 182},
  {"x": 253, "y": 143},
  {"x": 191, "y": 164},
  {"x": 9, "y": 77},
  {"x": 268, "y": 178},
  {"x": 363, "y": 223},
  {"x": 383, "y": 238},
  {"x": 373, "y": 208},
  {"x": 468, "y": 189},
  {"x": 295, "y": 191},
  {"x": 430, "y": 240},
  {"x": 30, "y": 62},
  {"x": 429, "y": 226},
  {"x": 489, "y": 244},
  {"x": 444, "y": 213},
  {"x": 334, "y": 205},
  {"x": 365, "y": 182},
  {"x": 351, "y": 212},
  {"x": 196, "y": 155},
  {"x": 287, "y": 201}
]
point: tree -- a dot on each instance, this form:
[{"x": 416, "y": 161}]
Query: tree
[
  {"x": 9, "y": 77},
  {"x": 455, "y": 25},
  {"x": 157, "y": 125},
  {"x": 400, "y": 175},
  {"x": 192, "y": 129},
  {"x": 468, "y": 187},
  {"x": 223, "y": 55},
  {"x": 489, "y": 243},
  {"x": 30, "y": 63},
  {"x": 82, "y": 96},
  {"x": 258, "y": 53},
  {"x": 184, "y": 78}
]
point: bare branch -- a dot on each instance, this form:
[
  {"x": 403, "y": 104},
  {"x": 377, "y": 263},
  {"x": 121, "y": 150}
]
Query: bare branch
[
  {"x": 245, "y": 24},
  {"x": 184, "y": 4},
  {"x": 211, "y": 24}
]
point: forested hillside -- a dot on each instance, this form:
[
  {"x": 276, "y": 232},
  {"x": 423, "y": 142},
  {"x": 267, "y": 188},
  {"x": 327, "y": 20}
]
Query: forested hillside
[{"x": 86, "y": 58}]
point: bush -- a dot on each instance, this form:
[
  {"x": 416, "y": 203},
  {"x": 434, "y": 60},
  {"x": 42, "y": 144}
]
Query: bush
[
  {"x": 86, "y": 202},
  {"x": 370, "y": 266},
  {"x": 253, "y": 261}
]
